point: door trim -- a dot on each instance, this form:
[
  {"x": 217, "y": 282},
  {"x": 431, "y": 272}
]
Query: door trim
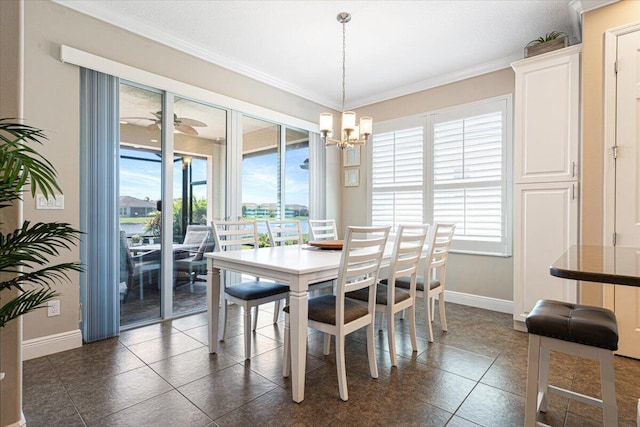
[{"x": 609, "y": 139}]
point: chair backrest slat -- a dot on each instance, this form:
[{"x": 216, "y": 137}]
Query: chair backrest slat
[
  {"x": 234, "y": 234},
  {"x": 322, "y": 229},
  {"x": 407, "y": 252},
  {"x": 442, "y": 236},
  {"x": 284, "y": 232}
]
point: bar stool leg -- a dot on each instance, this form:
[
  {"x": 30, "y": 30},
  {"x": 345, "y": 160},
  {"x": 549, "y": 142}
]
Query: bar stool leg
[
  {"x": 533, "y": 370},
  {"x": 607, "y": 380},
  {"x": 543, "y": 379}
]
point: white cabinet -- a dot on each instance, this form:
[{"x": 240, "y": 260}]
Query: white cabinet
[
  {"x": 546, "y": 153},
  {"x": 546, "y": 226},
  {"x": 547, "y": 117}
]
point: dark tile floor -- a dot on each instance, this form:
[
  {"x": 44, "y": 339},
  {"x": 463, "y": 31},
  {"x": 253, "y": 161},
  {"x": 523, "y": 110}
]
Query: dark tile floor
[
  {"x": 163, "y": 375},
  {"x": 187, "y": 298}
]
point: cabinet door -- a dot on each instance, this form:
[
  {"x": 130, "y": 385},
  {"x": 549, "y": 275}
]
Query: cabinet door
[
  {"x": 546, "y": 226},
  {"x": 547, "y": 115}
]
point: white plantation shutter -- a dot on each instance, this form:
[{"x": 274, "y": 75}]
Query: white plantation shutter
[
  {"x": 397, "y": 177},
  {"x": 469, "y": 161}
]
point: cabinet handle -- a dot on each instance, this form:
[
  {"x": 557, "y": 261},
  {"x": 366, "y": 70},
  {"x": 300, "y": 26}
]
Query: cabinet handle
[
  {"x": 573, "y": 169},
  {"x": 573, "y": 191}
]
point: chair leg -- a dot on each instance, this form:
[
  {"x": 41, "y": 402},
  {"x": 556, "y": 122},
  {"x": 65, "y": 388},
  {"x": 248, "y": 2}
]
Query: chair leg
[
  {"x": 607, "y": 380},
  {"x": 531, "y": 396},
  {"x": 391, "y": 337},
  {"x": 543, "y": 380},
  {"x": 433, "y": 308},
  {"x": 381, "y": 324},
  {"x": 371, "y": 351},
  {"x": 412, "y": 327},
  {"x": 402, "y": 314},
  {"x": 276, "y": 311},
  {"x": 326, "y": 347},
  {"x": 427, "y": 308},
  {"x": 443, "y": 315},
  {"x": 286, "y": 357},
  {"x": 247, "y": 333},
  {"x": 222, "y": 326},
  {"x": 342, "y": 371},
  {"x": 255, "y": 318}
]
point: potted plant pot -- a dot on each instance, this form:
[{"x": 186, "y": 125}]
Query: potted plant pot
[{"x": 547, "y": 43}]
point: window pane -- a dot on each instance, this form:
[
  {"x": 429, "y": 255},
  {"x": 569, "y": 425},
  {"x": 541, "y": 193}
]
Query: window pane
[
  {"x": 468, "y": 186},
  {"x": 397, "y": 177},
  {"x": 296, "y": 175},
  {"x": 199, "y": 143},
  {"x": 260, "y": 172}
]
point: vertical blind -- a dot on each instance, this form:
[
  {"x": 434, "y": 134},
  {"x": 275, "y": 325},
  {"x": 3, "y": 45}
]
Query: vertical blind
[
  {"x": 100, "y": 245},
  {"x": 397, "y": 195}
]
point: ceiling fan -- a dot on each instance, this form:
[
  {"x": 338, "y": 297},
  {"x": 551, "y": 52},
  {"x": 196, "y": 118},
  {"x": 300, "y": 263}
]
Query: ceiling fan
[{"x": 181, "y": 124}]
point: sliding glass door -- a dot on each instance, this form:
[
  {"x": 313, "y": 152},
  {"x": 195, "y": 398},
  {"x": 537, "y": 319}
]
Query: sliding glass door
[{"x": 181, "y": 201}]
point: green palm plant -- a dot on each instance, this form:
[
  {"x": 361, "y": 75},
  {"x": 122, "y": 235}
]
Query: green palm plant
[{"x": 25, "y": 251}]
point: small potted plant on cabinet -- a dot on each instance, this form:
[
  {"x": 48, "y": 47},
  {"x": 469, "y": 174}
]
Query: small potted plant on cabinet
[{"x": 543, "y": 44}]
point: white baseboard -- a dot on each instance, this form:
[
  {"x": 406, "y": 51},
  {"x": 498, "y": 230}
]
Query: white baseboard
[
  {"x": 493, "y": 304},
  {"x": 43, "y": 346}
]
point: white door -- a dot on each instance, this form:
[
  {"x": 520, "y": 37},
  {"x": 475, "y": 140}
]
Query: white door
[{"x": 627, "y": 194}]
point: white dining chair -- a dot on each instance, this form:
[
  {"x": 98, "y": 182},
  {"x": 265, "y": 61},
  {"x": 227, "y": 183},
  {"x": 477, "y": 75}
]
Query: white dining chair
[
  {"x": 323, "y": 229},
  {"x": 231, "y": 235},
  {"x": 432, "y": 283},
  {"x": 289, "y": 232},
  {"x": 390, "y": 300},
  {"x": 339, "y": 316}
]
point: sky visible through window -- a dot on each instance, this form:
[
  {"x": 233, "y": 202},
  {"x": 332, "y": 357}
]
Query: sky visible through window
[
  {"x": 141, "y": 179},
  {"x": 259, "y": 179}
]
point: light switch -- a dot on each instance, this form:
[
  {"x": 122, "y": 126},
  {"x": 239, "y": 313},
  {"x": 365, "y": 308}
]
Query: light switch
[{"x": 52, "y": 202}]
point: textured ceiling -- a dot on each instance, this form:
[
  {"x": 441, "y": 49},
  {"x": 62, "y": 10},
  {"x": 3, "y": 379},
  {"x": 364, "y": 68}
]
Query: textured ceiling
[{"x": 393, "y": 47}]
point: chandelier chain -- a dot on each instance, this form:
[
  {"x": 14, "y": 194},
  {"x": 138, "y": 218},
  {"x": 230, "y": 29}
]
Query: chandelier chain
[{"x": 344, "y": 49}]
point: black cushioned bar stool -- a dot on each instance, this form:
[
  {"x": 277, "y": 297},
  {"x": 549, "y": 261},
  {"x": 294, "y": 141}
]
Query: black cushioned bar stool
[{"x": 584, "y": 331}]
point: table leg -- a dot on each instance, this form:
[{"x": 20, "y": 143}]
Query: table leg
[
  {"x": 213, "y": 304},
  {"x": 299, "y": 307}
]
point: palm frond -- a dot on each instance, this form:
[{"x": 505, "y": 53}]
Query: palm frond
[
  {"x": 32, "y": 244},
  {"x": 47, "y": 276},
  {"x": 24, "y": 303},
  {"x": 20, "y": 164}
]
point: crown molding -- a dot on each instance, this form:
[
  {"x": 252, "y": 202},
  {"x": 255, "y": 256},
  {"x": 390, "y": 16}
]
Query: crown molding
[
  {"x": 440, "y": 80},
  {"x": 147, "y": 31},
  {"x": 583, "y": 6}
]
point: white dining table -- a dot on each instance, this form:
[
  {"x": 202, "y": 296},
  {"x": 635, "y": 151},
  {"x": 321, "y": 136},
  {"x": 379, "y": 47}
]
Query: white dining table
[{"x": 294, "y": 265}]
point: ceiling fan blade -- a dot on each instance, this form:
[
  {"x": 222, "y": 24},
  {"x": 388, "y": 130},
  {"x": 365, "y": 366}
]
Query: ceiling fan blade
[
  {"x": 190, "y": 122},
  {"x": 137, "y": 118},
  {"x": 187, "y": 130}
]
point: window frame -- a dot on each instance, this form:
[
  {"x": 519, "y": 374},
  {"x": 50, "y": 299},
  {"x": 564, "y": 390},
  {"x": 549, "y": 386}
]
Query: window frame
[
  {"x": 418, "y": 120},
  {"x": 428, "y": 120},
  {"x": 504, "y": 103}
]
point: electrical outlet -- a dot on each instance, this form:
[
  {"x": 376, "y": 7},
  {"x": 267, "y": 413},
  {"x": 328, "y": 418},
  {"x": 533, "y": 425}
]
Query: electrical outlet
[{"x": 53, "y": 308}]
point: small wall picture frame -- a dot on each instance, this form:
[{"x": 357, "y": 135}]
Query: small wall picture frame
[
  {"x": 351, "y": 156},
  {"x": 352, "y": 177}
]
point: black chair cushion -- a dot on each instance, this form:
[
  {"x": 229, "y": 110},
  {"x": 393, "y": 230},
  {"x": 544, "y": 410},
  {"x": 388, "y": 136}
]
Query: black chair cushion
[
  {"x": 323, "y": 309},
  {"x": 255, "y": 290},
  {"x": 381, "y": 295},
  {"x": 592, "y": 326},
  {"x": 405, "y": 282}
]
